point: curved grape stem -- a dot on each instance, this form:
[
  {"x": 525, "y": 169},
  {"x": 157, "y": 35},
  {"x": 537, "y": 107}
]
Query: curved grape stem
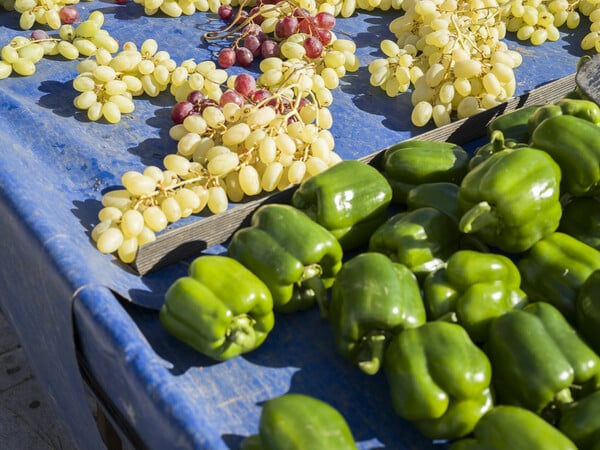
[{"x": 35, "y": 41}]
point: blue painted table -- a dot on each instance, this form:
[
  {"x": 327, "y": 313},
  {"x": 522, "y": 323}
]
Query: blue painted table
[{"x": 75, "y": 308}]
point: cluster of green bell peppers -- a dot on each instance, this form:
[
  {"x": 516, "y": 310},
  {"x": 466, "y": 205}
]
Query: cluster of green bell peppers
[{"x": 474, "y": 338}]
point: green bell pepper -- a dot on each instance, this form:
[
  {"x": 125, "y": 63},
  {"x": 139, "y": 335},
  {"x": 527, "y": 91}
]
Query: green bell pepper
[
  {"x": 496, "y": 143},
  {"x": 543, "y": 113},
  {"x": 442, "y": 196},
  {"x": 293, "y": 255},
  {"x": 439, "y": 379},
  {"x": 587, "y": 307},
  {"x": 413, "y": 162},
  {"x": 554, "y": 269},
  {"x": 582, "y": 108},
  {"x": 539, "y": 362},
  {"x": 580, "y": 422},
  {"x": 511, "y": 200},
  {"x": 513, "y": 124},
  {"x": 221, "y": 309},
  {"x": 422, "y": 239},
  {"x": 581, "y": 219},
  {"x": 574, "y": 143},
  {"x": 350, "y": 199},
  {"x": 577, "y": 107},
  {"x": 512, "y": 428},
  {"x": 372, "y": 299},
  {"x": 300, "y": 422},
  {"x": 474, "y": 287}
]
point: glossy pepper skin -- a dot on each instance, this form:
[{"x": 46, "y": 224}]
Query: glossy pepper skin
[
  {"x": 511, "y": 200},
  {"x": 413, "y": 162},
  {"x": 510, "y": 428},
  {"x": 577, "y": 107},
  {"x": 372, "y": 299},
  {"x": 442, "y": 196},
  {"x": 472, "y": 289},
  {"x": 421, "y": 239},
  {"x": 580, "y": 422},
  {"x": 300, "y": 422},
  {"x": 439, "y": 379},
  {"x": 544, "y": 112},
  {"x": 574, "y": 143},
  {"x": 539, "y": 362},
  {"x": 513, "y": 124},
  {"x": 350, "y": 199},
  {"x": 587, "y": 307},
  {"x": 292, "y": 254},
  {"x": 554, "y": 269},
  {"x": 221, "y": 309},
  {"x": 581, "y": 219}
]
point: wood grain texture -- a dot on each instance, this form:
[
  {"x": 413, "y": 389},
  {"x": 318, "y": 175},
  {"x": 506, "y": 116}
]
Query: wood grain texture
[{"x": 188, "y": 240}]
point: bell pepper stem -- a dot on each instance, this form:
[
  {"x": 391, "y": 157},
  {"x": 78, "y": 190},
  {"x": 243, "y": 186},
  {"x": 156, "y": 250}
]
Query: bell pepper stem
[
  {"x": 312, "y": 270},
  {"x": 479, "y": 216},
  {"x": 497, "y": 139},
  {"x": 371, "y": 352},
  {"x": 241, "y": 332}
]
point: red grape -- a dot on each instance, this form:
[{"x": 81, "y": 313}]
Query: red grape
[
  {"x": 181, "y": 110},
  {"x": 253, "y": 44},
  {"x": 245, "y": 84},
  {"x": 243, "y": 56},
  {"x": 195, "y": 97},
  {"x": 307, "y": 25},
  {"x": 286, "y": 27},
  {"x": 325, "y": 20},
  {"x": 231, "y": 96},
  {"x": 121, "y": 2},
  {"x": 225, "y": 12},
  {"x": 313, "y": 47},
  {"x": 259, "y": 95},
  {"x": 226, "y": 58},
  {"x": 256, "y": 17},
  {"x": 325, "y": 36},
  {"x": 68, "y": 14},
  {"x": 269, "y": 48},
  {"x": 38, "y": 35}
]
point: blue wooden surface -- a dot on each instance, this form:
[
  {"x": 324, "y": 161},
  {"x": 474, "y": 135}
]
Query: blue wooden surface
[{"x": 54, "y": 167}]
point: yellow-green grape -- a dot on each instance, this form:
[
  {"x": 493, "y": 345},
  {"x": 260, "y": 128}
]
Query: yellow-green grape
[
  {"x": 5, "y": 70},
  {"x": 421, "y": 113},
  {"x": 170, "y": 207},
  {"x": 217, "y": 199},
  {"x": 128, "y": 250},
  {"x": 222, "y": 163},
  {"x": 119, "y": 198},
  {"x": 110, "y": 240},
  {"x": 188, "y": 201},
  {"x": 132, "y": 223},
  {"x": 23, "y": 67},
  {"x": 138, "y": 184},
  {"x": 271, "y": 176},
  {"x": 249, "y": 180}
]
